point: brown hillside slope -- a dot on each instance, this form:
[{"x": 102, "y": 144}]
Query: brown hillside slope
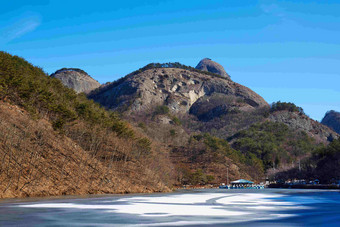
[
  {"x": 56, "y": 142},
  {"x": 37, "y": 161}
]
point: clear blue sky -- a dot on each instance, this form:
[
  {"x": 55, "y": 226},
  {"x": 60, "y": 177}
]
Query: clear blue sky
[{"x": 283, "y": 50}]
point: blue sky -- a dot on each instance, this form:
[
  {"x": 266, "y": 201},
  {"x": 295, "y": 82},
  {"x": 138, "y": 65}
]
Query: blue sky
[{"x": 283, "y": 50}]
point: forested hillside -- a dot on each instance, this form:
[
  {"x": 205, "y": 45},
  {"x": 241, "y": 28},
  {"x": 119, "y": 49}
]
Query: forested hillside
[
  {"x": 55, "y": 142},
  {"x": 323, "y": 165}
]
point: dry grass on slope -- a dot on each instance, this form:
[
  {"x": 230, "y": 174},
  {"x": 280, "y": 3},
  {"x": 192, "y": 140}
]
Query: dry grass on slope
[{"x": 35, "y": 160}]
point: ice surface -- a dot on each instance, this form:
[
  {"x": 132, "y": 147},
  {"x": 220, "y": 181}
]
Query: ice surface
[{"x": 203, "y": 208}]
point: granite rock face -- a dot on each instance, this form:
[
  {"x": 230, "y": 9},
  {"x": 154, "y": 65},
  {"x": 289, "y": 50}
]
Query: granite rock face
[
  {"x": 332, "y": 120},
  {"x": 76, "y": 79},
  {"x": 208, "y": 65},
  {"x": 179, "y": 89}
]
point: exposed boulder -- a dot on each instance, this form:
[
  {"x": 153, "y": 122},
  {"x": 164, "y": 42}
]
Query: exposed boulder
[
  {"x": 76, "y": 79},
  {"x": 208, "y": 65},
  {"x": 332, "y": 120}
]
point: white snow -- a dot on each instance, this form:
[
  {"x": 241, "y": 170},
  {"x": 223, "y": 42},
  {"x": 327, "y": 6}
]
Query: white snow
[{"x": 227, "y": 207}]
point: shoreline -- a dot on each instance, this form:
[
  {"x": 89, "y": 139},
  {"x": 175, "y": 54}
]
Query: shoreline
[
  {"x": 305, "y": 186},
  {"x": 77, "y": 196},
  {"x": 173, "y": 190}
]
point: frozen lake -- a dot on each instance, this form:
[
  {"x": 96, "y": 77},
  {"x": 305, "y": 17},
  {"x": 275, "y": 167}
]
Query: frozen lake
[{"x": 213, "y": 207}]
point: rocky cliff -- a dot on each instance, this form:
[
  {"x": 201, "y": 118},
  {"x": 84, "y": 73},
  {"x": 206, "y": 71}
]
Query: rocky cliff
[
  {"x": 182, "y": 90},
  {"x": 332, "y": 120},
  {"x": 76, "y": 79}
]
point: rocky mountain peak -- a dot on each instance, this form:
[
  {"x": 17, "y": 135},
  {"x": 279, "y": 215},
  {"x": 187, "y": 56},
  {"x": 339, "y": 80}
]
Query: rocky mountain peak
[
  {"x": 182, "y": 90},
  {"x": 208, "y": 65},
  {"x": 76, "y": 79},
  {"x": 332, "y": 120}
]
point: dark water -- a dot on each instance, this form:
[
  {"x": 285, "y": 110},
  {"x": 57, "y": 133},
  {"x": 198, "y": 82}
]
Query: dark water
[{"x": 210, "y": 207}]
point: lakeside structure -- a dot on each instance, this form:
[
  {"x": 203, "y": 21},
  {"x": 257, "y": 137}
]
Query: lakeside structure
[{"x": 241, "y": 184}]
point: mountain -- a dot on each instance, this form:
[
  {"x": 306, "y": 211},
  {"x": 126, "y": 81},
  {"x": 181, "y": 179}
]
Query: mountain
[
  {"x": 172, "y": 102},
  {"x": 206, "y": 102},
  {"x": 56, "y": 142},
  {"x": 208, "y": 65},
  {"x": 332, "y": 120},
  {"x": 76, "y": 79},
  {"x": 209, "y": 122}
]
